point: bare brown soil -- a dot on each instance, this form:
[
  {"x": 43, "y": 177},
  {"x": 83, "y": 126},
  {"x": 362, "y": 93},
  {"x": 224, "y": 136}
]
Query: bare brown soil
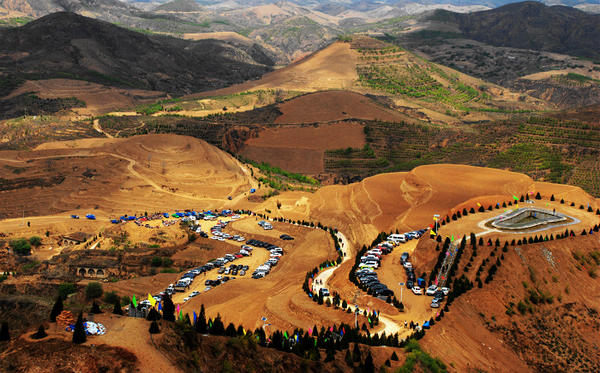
[
  {"x": 115, "y": 175},
  {"x": 328, "y": 106},
  {"x": 301, "y": 148}
]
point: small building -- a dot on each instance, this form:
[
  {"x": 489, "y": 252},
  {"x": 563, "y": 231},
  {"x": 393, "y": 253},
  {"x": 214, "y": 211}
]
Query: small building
[{"x": 74, "y": 238}]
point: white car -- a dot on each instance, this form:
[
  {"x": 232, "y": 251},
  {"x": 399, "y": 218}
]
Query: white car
[
  {"x": 186, "y": 299},
  {"x": 407, "y": 265},
  {"x": 207, "y": 288},
  {"x": 194, "y": 293},
  {"x": 445, "y": 290},
  {"x": 214, "y": 238},
  {"x": 417, "y": 290},
  {"x": 431, "y": 290}
]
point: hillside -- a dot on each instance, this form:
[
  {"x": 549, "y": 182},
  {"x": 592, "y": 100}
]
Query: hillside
[
  {"x": 179, "y": 6},
  {"x": 40, "y": 8},
  {"x": 165, "y": 169},
  {"x": 296, "y": 37},
  {"x": 71, "y": 46},
  {"x": 531, "y": 25}
]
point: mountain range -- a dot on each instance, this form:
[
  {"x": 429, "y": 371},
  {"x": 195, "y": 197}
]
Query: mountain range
[{"x": 69, "y": 45}]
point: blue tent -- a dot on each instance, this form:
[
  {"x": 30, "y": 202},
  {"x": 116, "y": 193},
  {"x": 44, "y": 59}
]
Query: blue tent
[
  {"x": 114, "y": 221},
  {"x": 91, "y": 217},
  {"x": 131, "y": 218},
  {"x": 166, "y": 215},
  {"x": 180, "y": 214},
  {"x": 421, "y": 281},
  {"x": 75, "y": 216},
  {"x": 252, "y": 190},
  {"x": 426, "y": 325}
]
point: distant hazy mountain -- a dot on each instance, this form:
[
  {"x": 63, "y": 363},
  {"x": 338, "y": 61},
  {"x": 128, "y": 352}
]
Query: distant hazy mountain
[
  {"x": 70, "y": 45},
  {"x": 180, "y": 6}
]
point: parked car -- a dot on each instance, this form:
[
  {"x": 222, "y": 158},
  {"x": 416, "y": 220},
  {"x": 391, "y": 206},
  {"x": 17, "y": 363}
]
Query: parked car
[
  {"x": 417, "y": 290},
  {"x": 407, "y": 265},
  {"x": 404, "y": 257},
  {"x": 445, "y": 290},
  {"x": 435, "y": 304},
  {"x": 431, "y": 290}
]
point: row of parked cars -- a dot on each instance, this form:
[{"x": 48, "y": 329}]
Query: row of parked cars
[
  {"x": 218, "y": 234},
  {"x": 276, "y": 253},
  {"x": 368, "y": 277},
  {"x": 371, "y": 261},
  {"x": 438, "y": 294},
  {"x": 399, "y": 238},
  {"x": 187, "y": 279}
]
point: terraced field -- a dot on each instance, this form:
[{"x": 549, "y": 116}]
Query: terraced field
[{"x": 394, "y": 71}]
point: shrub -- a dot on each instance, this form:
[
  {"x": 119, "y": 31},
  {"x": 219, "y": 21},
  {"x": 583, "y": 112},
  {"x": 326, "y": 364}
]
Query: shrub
[
  {"x": 35, "y": 241},
  {"x": 56, "y": 309},
  {"x": 65, "y": 289},
  {"x": 41, "y": 333},
  {"x": 111, "y": 297},
  {"x": 95, "y": 309},
  {"x": 156, "y": 261},
  {"x": 20, "y": 246},
  {"x": 125, "y": 300},
  {"x": 4, "y": 334},
  {"x": 154, "y": 329},
  {"x": 93, "y": 290},
  {"x": 79, "y": 332},
  {"x": 117, "y": 308}
]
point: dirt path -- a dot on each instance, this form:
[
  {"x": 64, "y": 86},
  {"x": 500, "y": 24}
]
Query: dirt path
[
  {"x": 100, "y": 130},
  {"x": 132, "y": 334},
  {"x": 389, "y": 326}
]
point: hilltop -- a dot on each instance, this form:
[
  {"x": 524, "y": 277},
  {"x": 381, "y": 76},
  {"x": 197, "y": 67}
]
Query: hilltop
[
  {"x": 71, "y": 46},
  {"x": 531, "y": 25}
]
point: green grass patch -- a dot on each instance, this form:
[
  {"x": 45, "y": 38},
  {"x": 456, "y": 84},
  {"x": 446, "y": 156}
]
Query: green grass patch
[{"x": 417, "y": 357}]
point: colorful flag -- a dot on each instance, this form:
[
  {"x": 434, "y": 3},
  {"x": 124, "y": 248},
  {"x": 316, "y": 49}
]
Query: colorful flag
[
  {"x": 151, "y": 300},
  {"x": 478, "y": 204},
  {"x": 515, "y": 198},
  {"x": 431, "y": 232},
  {"x": 369, "y": 319},
  {"x": 180, "y": 315},
  {"x": 159, "y": 306},
  {"x": 285, "y": 334},
  {"x": 331, "y": 329},
  {"x": 178, "y": 308},
  {"x": 195, "y": 317},
  {"x": 452, "y": 239},
  {"x": 343, "y": 331},
  {"x": 134, "y": 301}
]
